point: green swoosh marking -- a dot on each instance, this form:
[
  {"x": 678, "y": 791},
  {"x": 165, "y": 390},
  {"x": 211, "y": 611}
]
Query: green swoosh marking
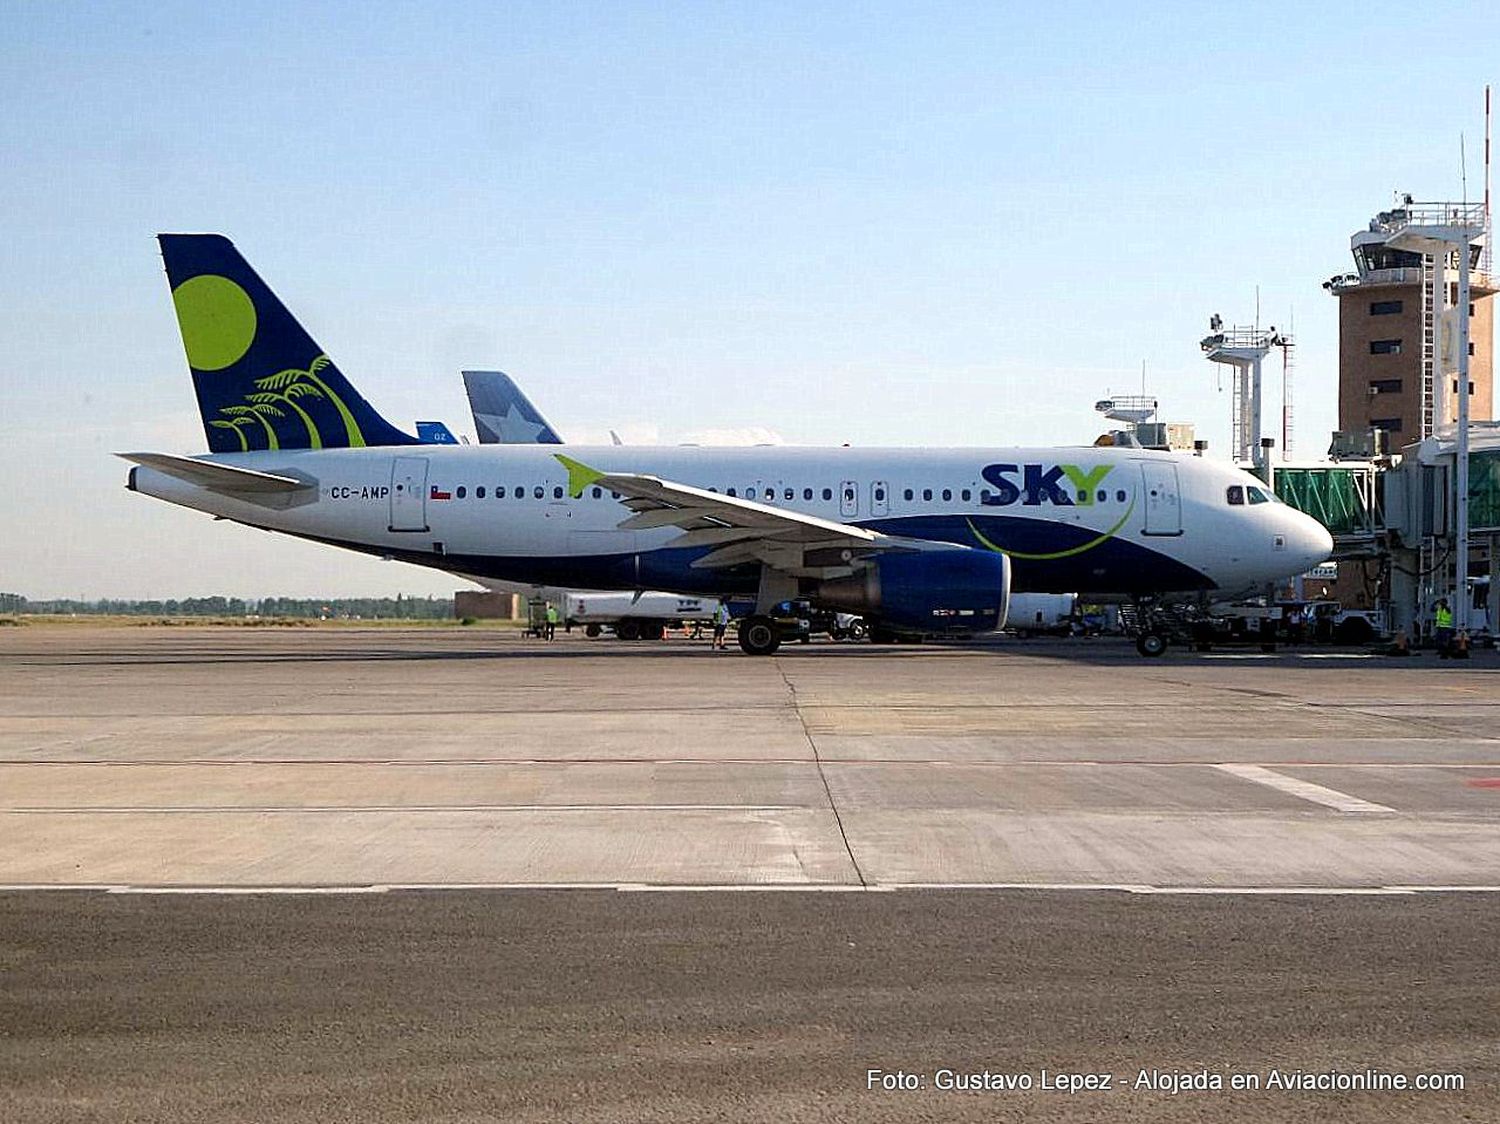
[{"x": 1109, "y": 534}]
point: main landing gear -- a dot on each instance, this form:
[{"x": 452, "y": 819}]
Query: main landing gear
[{"x": 759, "y": 635}]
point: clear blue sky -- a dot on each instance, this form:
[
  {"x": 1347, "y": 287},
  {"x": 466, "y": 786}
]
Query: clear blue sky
[{"x": 883, "y": 224}]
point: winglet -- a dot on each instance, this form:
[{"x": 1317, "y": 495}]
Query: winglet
[{"x": 580, "y": 475}]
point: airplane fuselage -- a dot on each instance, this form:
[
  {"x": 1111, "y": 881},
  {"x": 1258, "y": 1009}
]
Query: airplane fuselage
[{"x": 1089, "y": 520}]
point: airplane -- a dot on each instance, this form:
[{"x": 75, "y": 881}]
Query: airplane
[{"x": 919, "y": 541}]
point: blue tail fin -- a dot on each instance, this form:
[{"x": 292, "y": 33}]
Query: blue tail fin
[
  {"x": 502, "y": 414},
  {"x": 262, "y": 382}
]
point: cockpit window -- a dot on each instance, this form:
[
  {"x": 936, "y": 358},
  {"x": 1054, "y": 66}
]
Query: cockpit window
[
  {"x": 1236, "y": 495},
  {"x": 1257, "y": 496}
]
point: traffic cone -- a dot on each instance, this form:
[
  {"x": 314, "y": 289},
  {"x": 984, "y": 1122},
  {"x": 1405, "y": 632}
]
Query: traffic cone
[{"x": 1460, "y": 647}]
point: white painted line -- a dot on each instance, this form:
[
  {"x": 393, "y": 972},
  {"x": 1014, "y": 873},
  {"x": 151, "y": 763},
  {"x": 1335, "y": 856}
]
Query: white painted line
[
  {"x": 299, "y": 809},
  {"x": 774, "y": 887},
  {"x": 1306, "y": 790}
]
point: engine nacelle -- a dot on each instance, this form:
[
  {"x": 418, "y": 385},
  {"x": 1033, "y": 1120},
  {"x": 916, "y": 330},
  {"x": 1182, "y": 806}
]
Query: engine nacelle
[{"x": 946, "y": 590}]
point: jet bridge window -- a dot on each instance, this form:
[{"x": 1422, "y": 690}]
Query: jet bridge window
[{"x": 1235, "y": 495}]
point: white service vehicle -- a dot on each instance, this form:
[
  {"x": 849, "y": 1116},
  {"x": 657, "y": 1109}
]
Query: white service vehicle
[{"x": 634, "y": 617}]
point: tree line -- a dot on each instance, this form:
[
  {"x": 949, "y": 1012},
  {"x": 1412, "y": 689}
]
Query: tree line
[{"x": 399, "y": 607}]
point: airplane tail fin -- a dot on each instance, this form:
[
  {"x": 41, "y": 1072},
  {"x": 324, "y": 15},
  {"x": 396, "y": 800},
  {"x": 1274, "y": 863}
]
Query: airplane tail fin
[
  {"x": 261, "y": 381},
  {"x": 502, "y": 414}
]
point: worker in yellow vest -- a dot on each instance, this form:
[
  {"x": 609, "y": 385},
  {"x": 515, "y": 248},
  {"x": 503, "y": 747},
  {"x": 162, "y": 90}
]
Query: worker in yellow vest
[{"x": 1442, "y": 623}]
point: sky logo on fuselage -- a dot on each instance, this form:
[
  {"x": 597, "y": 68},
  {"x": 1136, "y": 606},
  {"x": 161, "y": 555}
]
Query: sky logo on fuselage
[{"x": 1042, "y": 483}]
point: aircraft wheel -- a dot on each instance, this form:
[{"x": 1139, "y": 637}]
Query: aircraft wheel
[
  {"x": 592, "y": 630},
  {"x": 857, "y": 629},
  {"x": 759, "y": 636},
  {"x": 628, "y": 630},
  {"x": 1151, "y": 644}
]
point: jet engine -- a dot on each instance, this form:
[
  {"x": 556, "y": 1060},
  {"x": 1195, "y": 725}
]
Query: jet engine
[{"x": 950, "y": 589}]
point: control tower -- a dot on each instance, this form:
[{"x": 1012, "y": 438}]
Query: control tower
[{"x": 1390, "y": 322}]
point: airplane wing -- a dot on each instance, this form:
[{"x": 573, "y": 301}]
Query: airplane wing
[{"x": 739, "y": 530}]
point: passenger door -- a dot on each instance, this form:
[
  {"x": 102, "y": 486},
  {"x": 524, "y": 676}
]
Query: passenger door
[
  {"x": 1163, "y": 502},
  {"x": 409, "y": 494}
]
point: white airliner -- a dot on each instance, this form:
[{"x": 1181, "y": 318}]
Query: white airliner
[{"x": 918, "y": 540}]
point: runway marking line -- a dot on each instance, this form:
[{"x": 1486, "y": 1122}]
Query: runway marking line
[
  {"x": 770, "y": 887},
  {"x": 1305, "y": 790}
]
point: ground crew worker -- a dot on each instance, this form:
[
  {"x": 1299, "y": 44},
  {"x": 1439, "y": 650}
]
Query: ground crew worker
[
  {"x": 1442, "y": 622},
  {"x": 551, "y": 620},
  {"x": 721, "y": 624}
]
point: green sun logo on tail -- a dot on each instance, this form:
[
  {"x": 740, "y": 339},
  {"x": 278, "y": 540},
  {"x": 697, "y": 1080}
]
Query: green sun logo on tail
[{"x": 217, "y": 319}]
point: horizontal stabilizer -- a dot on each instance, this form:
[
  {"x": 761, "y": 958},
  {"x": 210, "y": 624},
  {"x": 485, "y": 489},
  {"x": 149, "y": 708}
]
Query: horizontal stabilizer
[{"x": 219, "y": 477}]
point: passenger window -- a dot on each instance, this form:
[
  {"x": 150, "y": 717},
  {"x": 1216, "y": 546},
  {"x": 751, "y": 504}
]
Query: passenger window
[
  {"x": 499, "y": 491},
  {"x": 479, "y": 492},
  {"x": 614, "y": 495},
  {"x": 879, "y": 495},
  {"x": 598, "y": 493},
  {"x": 520, "y": 493},
  {"x": 789, "y": 494},
  {"x": 947, "y": 494},
  {"x": 1082, "y": 496},
  {"x": 1102, "y": 496},
  {"x": 828, "y": 493},
  {"x": 1257, "y": 496},
  {"x": 1236, "y": 495},
  {"x": 927, "y": 493},
  {"x": 807, "y": 493},
  {"x": 729, "y": 491},
  {"x": 984, "y": 495},
  {"x": 907, "y": 494},
  {"x": 538, "y": 492},
  {"x": 966, "y": 495},
  {"x": 461, "y": 492},
  {"x": 749, "y": 493},
  {"x": 1120, "y": 496},
  {"x": 557, "y": 492},
  {"x": 848, "y": 495}
]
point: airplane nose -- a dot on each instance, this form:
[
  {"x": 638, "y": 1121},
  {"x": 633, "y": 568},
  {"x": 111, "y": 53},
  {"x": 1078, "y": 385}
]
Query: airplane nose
[{"x": 1311, "y": 539}]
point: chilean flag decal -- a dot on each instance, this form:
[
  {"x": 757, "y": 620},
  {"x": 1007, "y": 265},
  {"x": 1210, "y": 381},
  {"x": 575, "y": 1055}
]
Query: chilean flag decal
[{"x": 439, "y": 495}]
